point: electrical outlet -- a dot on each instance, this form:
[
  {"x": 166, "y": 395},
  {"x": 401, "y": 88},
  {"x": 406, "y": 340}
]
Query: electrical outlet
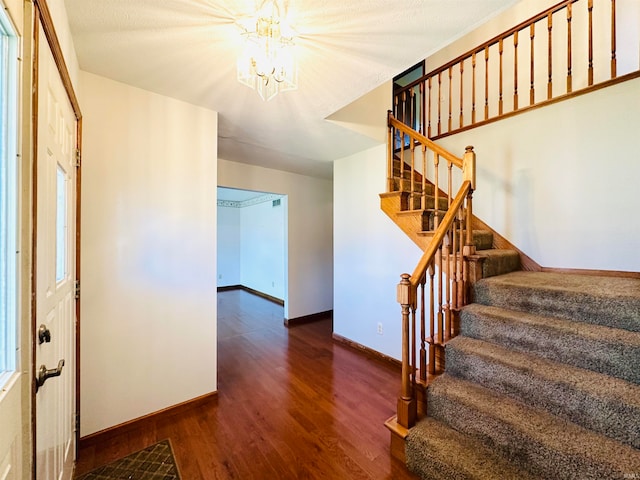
[{"x": 380, "y": 331}]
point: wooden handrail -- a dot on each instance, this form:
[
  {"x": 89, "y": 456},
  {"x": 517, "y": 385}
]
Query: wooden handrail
[
  {"x": 489, "y": 43},
  {"x": 438, "y": 237},
  {"x": 420, "y": 138}
]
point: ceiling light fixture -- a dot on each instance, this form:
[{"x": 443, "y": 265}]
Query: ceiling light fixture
[{"x": 267, "y": 63}]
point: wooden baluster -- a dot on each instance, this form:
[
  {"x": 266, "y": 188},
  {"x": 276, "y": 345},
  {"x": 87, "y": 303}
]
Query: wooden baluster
[
  {"x": 413, "y": 340},
  {"x": 500, "y": 52},
  {"x": 590, "y": 71},
  {"x": 473, "y": 88},
  {"x": 439, "y": 263},
  {"x": 454, "y": 284},
  {"x": 423, "y": 351},
  {"x": 532, "y": 94},
  {"x": 461, "y": 123},
  {"x": 614, "y": 68},
  {"x": 390, "y": 135},
  {"x": 402, "y": 162},
  {"x": 449, "y": 276},
  {"x": 486, "y": 83},
  {"x": 436, "y": 191},
  {"x": 404, "y": 107},
  {"x": 406, "y": 407},
  {"x": 569, "y": 60},
  {"x": 450, "y": 103},
  {"x": 395, "y": 113},
  {"x": 469, "y": 173},
  {"x": 459, "y": 256},
  {"x": 429, "y": 116},
  {"x": 469, "y": 249},
  {"x": 423, "y": 200},
  {"x": 432, "y": 350},
  {"x": 423, "y": 123},
  {"x": 412, "y": 190},
  {"x": 412, "y": 109},
  {"x": 449, "y": 187},
  {"x": 396, "y": 100},
  {"x": 550, "y": 58},
  {"x": 515, "y": 71},
  {"x": 439, "y": 102}
]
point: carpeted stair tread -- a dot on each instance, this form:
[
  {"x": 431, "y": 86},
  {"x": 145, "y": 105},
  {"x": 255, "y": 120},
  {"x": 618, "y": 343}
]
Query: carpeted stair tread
[
  {"x": 601, "y": 403},
  {"x": 498, "y": 261},
  {"x": 437, "y": 452},
  {"x": 609, "y": 301},
  {"x": 544, "y": 444},
  {"x": 601, "y": 349}
]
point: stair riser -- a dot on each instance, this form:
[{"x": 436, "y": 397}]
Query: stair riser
[
  {"x": 438, "y": 469},
  {"x": 610, "y": 312},
  {"x": 604, "y": 414},
  {"x": 615, "y": 359},
  {"x": 444, "y": 454},
  {"x": 506, "y": 438},
  {"x": 417, "y": 186},
  {"x": 504, "y": 261}
]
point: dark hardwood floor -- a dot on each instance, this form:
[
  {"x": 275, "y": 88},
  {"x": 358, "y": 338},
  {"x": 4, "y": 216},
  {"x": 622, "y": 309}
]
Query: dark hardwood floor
[{"x": 291, "y": 404}]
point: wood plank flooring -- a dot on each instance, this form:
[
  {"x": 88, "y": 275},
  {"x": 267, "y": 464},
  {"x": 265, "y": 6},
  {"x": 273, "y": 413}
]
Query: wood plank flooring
[{"x": 292, "y": 404}]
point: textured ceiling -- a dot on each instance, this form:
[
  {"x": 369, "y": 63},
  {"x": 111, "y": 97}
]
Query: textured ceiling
[{"x": 187, "y": 49}]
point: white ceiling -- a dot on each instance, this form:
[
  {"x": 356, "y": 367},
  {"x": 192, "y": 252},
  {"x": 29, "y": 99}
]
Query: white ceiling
[{"x": 187, "y": 49}]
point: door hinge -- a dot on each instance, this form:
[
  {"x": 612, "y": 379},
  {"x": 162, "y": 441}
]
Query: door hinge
[
  {"x": 77, "y": 288},
  {"x": 77, "y": 422},
  {"x": 78, "y": 157}
]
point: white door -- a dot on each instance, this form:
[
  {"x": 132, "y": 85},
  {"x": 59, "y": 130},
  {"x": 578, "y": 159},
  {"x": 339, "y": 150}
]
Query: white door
[{"x": 55, "y": 274}]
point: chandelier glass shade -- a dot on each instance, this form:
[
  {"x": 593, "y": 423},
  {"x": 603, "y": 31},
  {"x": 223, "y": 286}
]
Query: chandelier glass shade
[{"x": 267, "y": 63}]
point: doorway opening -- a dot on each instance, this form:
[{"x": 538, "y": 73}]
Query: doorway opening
[{"x": 252, "y": 242}]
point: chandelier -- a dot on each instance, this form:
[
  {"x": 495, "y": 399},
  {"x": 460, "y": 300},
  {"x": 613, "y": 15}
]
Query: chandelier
[{"x": 267, "y": 62}]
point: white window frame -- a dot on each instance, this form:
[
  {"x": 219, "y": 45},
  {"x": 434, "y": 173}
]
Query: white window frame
[{"x": 9, "y": 228}]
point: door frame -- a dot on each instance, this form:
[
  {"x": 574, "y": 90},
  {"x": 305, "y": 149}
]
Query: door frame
[{"x": 42, "y": 19}]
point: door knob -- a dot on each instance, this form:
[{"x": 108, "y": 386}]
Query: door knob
[
  {"x": 44, "y": 374},
  {"x": 44, "y": 335}
]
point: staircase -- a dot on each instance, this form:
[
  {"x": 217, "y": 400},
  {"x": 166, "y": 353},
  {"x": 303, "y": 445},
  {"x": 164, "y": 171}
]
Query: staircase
[
  {"x": 506, "y": 373},
  {"x": 542, "y": 382}
]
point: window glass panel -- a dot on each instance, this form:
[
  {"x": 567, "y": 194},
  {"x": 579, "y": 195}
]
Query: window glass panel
[
  {"x": 61, "y": 225},
  {"x": 8, "y": 199}
]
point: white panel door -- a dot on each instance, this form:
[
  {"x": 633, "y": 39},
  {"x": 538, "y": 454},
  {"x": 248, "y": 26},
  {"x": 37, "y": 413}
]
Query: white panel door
[{"x": 55, "y": 273}]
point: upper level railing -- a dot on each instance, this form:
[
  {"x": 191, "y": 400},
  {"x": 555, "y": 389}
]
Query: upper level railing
[{"x": 569, "y": 49}]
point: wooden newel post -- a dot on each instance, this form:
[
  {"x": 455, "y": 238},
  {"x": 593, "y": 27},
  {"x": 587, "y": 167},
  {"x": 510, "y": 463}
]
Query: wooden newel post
[
  {"x": 406, "y": 402},
  {"x": 469, "y": 166}
]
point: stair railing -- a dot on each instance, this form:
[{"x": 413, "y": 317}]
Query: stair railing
[
  {"x": 569, "y": 49},
  {"x": 443, "y": 270}
]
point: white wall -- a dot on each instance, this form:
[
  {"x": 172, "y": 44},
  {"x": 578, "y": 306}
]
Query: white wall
[
  {"x": 370, "y": 254},
  {"x": 560, "y": 182},
  {"x": 228, "y": 247},
  {"x": 309, "y": 288},
  {"x": 148, "y": 252},
  {"x": 263, "y": 247}
]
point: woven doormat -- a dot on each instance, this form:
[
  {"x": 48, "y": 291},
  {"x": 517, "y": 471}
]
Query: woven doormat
[{"x": 153, "y": 463}]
